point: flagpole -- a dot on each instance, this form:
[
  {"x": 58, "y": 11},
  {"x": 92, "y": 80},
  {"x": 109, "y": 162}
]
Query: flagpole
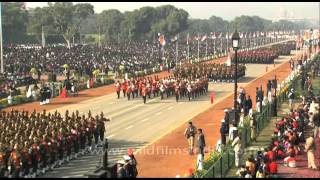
[
  {"x": 1, "y": 44},
  {"x": 198, "y": 48},
  {"x": 177, "y": 51},
  {"x": 227, "y": 42},
  {"x": 221, "y": 43},
  {"x": 42, "y": 37},
  {"x": 207, "y": 47},
  {"x": 188, "y": 48}
]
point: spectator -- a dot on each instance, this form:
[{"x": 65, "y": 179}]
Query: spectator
[
  {"x": 309, "y": 148},
  {"x": 273, "y": 168},
  {"x": 121, "y": 172},
  {"x": 242, "y": 171},
  {"x": 237, "y": 147},
  {"x": 253, "y": 126},
  {"x": 201, "y": 142},
  {"x": 291, "y": 96},
  {"x": 223, "y": 132},
  {"x": 290, "y": 161}
]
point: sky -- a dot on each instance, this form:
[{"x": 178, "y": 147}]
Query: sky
[{"x": 225, "y": 10}]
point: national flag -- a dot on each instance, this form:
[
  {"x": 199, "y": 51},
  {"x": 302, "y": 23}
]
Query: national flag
[
  {"x": 227, "y": 35},
  {"x": 162, "y": 40},
  {"x": 204, "y": 38},
  {"x": 245, "y": 35},
  {"x": 213, "y": 35},
  {"x": 254, "y": 35},
  {"x": 196, "y": 38},
  {"x": 188, "y": 39},
  {"x": 241, "y": 35}
]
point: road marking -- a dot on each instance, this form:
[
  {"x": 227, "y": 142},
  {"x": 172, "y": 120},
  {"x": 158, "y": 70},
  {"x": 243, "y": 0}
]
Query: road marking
[
  {"x": 110, "y": 136},
  {"x": 112, "y": 103},
  {"x": 146, "y": 119},
  {"x": 129, "y": 127},
  {"x": 180, "y": 103},
  {"x": 158, "y": 113},
  {"x": 170, "y": 108}
]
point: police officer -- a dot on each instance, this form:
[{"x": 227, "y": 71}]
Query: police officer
[{"x": 190, "y": 133}]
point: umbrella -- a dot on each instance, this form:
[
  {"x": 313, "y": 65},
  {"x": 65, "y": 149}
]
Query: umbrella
[
  {"x": 65, "y": 66},
  {"x": 33, "y": 70}
]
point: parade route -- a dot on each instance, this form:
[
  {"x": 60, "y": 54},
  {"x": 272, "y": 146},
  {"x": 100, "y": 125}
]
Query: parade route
[
  {"x": 177, "y": 163},
  {"x": 136, "y": 125}
]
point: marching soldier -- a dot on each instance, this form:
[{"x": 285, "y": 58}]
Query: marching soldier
[
  {"x": 118, "y": 88},
  {"x": 14, "y": 162},
  {"x": 144, "y": 94}
]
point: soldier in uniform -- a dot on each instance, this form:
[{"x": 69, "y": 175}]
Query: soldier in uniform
[
  {"x": 144, "y": 94},
  {"x": 14, "y": 162},
  {"x": 118, "y": 88},
  {"x": 177, "y": 92}
]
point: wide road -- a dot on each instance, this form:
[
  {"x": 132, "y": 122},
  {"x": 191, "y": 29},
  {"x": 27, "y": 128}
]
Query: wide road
[{"x": 135, "y": 124}]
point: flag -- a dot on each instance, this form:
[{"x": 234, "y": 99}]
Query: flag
[
  {"x": 245, "y": 35},
  {"x": 241, "y": 35},
  {"x": 162, "y": 41},
  {"x": 197, "y": 38},
  {"x": 174, "y": 39},
  {"x": 230, "y": 36},
  {"x": 227, "y": 35},
  {"x": 204, "y": 38},
  {"x": 188, "y": 39},
  {"x": 213, "y": 35},
  {"x": 220, "y": 36},
  {"x": 254, "y": 35},
  {"x": 43, "y": 38}
]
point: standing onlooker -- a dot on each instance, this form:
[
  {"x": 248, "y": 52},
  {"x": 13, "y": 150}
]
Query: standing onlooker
[
  {"x": 253, "y": 126},
  {"x": 316, "y": 121},
  {"x": 247, "y": 105},
  {"x": 237, "y": 149},
  {"x": 291, "y": 98},
  {"x": 201, "y": 142},
  {"x": 121, "y": 172},
  {"x": 223, "y": 132},
  {"x": 190, "y": 133},
  {"x": 309, "y": 148}
]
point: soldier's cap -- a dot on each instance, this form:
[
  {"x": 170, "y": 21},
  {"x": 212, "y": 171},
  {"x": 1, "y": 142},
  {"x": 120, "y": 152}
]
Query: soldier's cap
[{"x": 121, "y": 162}]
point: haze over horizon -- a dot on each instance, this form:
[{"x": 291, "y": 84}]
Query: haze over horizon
[{"x": 225, "y": 10}]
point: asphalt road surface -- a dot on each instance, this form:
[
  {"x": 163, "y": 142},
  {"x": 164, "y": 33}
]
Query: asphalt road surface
[{"x": 134, "y": 124}]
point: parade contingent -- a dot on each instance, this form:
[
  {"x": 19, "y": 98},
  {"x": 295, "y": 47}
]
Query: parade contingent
[
  {"x": 265, "y": 55},
  {"x": 33, "y": 143},
  {"x": 214, "y": 72},
  {"x": 164, "y": 88}
]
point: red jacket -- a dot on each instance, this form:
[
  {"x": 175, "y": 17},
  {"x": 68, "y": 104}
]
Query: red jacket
[{"x": 273, "y": 167}]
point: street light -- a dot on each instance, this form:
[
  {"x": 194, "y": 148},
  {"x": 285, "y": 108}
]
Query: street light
[{"x": 235, "y": 45}]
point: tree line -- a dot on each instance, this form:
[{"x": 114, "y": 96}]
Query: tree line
[{"x": 67, "y": 22}]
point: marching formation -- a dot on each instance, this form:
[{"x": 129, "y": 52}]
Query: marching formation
[
  {"x": 32, "y": 144},
  {"x": 148, "y": 87},
  {"x": 215, "y": 72},
  {"x": 265, "y": 55}
]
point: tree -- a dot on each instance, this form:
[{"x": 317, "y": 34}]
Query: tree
[
  {"x": 81, "y": 12},
  {"x": 111, "y": 21},
  {"x": 15, "y": 20}
]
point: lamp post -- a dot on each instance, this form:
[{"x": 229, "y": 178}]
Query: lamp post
[{"x": 235, "y": 45}]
